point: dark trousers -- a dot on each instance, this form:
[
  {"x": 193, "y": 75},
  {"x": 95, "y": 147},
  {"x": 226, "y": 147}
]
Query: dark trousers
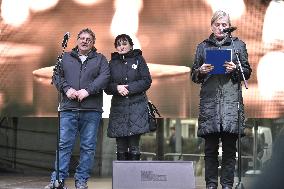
[
  {"x": 228, "y": 159},
  {"x": 128, "y": 148},
  {"x": 128, "y": 143}
]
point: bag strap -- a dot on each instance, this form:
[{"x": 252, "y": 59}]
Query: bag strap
[{"x": 153, "y": 109}]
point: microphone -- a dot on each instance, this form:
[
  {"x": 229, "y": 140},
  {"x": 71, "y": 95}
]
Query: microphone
[
  {"x": 229, "y": 30},
  {"x": 65, "y": 39}
]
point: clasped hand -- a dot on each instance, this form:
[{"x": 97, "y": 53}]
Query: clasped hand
[
  {"x": 122, "y": 90},
  {"x": 80, "y": 94}
]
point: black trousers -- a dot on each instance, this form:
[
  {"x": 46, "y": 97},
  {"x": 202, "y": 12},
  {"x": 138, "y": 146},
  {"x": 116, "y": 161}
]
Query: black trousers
[
  {"x": 128, "y": 144},
  {"x": 229, "y": 150}
]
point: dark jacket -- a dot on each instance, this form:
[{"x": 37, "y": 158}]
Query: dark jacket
[
  {"x": 92, "y": 75},
  {"x": 219, "y": 93},
  {"x": 128, "y": 114}
]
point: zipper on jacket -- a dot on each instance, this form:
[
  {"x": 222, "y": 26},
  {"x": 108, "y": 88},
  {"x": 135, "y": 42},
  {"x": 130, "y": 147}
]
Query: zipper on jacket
[
  {"x": 81, "y": 66},
  {"x": 220, "y": 107},
  {"x": 85, "y": 63}
]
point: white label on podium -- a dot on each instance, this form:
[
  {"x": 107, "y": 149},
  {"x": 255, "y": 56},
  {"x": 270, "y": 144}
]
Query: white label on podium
[{"x": 153, "y": 175}]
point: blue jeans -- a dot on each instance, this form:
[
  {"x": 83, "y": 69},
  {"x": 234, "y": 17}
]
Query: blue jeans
[{"x": 85, "y": 124}]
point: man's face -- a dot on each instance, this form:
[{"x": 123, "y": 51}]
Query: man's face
[
  {"x": 218, "y": 26},
  {"x": 85, "y": 42}
]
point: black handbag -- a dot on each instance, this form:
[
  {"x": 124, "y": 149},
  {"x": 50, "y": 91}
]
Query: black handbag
[{"x": 152, "y": 111}]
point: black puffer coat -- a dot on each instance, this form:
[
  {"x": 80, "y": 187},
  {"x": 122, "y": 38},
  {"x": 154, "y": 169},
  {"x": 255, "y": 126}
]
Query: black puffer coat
[
  {"x": 219, "y": 93},
  {"x": 128, "y": 114}
]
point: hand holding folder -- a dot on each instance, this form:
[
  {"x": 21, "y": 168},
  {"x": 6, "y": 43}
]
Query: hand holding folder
[
  {"x": 206, "y": 68},
  {"x": 217, "y": 58}
]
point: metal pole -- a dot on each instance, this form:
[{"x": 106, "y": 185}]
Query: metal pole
[
  {"x": 178, "y": 138},
  {"x": 255, "y": 144},
  {"x": 160, "y": 139}
]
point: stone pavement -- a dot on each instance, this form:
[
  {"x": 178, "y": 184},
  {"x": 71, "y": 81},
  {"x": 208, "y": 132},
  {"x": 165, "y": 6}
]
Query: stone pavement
[{"x": 16, "y": 181}]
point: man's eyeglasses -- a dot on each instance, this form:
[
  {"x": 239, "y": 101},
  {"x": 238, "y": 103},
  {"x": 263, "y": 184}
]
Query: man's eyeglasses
[{"x": 88, "y": 40}]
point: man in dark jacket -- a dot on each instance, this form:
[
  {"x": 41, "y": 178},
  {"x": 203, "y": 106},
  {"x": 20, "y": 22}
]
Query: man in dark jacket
[
  {"x": 218, "y": 118},
  {"x": 80, "y": 78}
]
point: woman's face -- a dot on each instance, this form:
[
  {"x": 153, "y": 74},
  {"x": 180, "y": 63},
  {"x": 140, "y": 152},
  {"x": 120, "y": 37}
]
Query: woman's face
[
  {"x": 218, "y": 26},
  {"x": 123, "y": 46}
]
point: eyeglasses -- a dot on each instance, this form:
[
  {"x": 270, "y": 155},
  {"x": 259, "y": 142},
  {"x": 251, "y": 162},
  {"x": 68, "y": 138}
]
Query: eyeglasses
[{"x": 88, "y": 40}]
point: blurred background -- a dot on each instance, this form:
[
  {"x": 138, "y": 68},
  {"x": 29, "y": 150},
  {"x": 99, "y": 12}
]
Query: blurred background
[
  {"x": 31, "y": 32},
  {"x": 167, "y": 31}
]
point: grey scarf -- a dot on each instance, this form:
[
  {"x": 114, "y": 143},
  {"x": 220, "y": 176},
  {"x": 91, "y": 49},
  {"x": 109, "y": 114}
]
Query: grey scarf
[{"x": 218, "y": 42}]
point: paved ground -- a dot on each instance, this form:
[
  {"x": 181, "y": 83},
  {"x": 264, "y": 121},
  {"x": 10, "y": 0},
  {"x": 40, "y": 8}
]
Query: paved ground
[{"x": 37, "y": 182}]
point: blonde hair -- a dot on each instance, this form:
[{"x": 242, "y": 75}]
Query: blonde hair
[{"x": 220, "y": 14}]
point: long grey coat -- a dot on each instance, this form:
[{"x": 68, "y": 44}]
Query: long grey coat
[
  {"x": 128, "y": 114},
  {"x": 219, "y": 93}
]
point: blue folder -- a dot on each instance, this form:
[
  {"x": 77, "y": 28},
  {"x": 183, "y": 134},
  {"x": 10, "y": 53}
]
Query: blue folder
[{"x": 217, "y": 58}]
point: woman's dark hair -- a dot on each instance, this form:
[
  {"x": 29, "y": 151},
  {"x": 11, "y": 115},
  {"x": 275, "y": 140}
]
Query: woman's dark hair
[{"x": 122, "y": 37}]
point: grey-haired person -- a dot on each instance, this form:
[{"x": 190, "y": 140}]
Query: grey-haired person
[{"x": 218, "y": 116}]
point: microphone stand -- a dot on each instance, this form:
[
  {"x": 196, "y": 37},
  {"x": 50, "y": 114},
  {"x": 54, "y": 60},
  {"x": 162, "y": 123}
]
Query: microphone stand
[
  {"x": 58, "y": 184},
  {"x": 240, "y": 71}
]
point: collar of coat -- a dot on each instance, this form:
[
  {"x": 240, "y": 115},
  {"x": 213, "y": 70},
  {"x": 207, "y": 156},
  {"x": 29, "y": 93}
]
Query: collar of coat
[
  {"x": 91, "y": 54},
  {"x": 213, "y": 41},
  {"x": 130, "y": 54}
]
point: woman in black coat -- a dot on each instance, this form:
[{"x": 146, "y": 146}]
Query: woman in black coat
[
  {"x": 218, "y": 117},
  {"x": 130, "y": 79}
]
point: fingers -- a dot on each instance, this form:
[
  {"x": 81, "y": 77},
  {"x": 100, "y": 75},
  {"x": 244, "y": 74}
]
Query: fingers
[
  {"x": 81, "y": 94},
  {"x": 71, "y": 93},
  {"x": 205, "y": 68},
  {"x": 80, "y": 98},
  {"x": 122, "y": 90},
  {"x": 230, "y": 66}
]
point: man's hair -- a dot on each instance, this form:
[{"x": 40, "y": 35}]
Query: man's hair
[
  {"x": 220, "y": 14},
  {"x": 123, "y": 37},
  {"x": 87, "y": 30}
]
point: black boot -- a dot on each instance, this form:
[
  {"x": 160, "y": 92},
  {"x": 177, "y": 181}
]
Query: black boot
[
  {"x": 211, "y": 187},
  {"x": 122, "y": 156},
  {"x": 134, "y": 156},
  {"x": 227, "y": 187}
]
